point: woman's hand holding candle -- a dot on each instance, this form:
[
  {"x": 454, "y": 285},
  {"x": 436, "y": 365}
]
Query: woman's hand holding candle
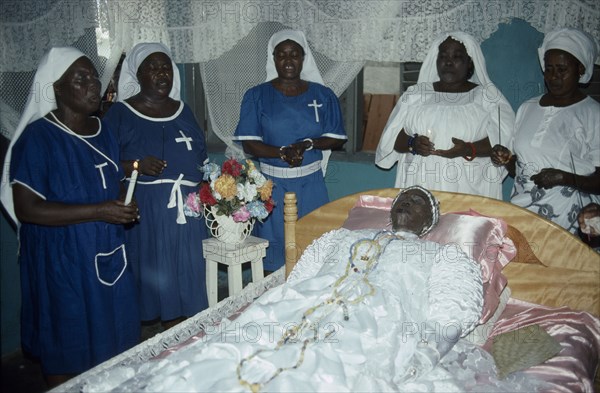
[{"x": 132, "y": 181}]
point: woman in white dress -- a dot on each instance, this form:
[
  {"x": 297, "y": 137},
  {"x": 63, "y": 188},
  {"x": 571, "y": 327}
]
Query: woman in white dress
[
  {"x": 442, "y": 129},
  {"x": 556, "y": 156}
]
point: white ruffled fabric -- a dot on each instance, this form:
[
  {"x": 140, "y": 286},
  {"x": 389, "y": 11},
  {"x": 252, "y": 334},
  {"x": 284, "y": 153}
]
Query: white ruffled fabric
[{"x": 402, "y": 338}]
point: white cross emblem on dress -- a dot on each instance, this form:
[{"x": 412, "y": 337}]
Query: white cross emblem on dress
[
  {"x": 185, "y": 139},
  {"x": 99, "y": 167},
  {"x": 315, "y": 105}
]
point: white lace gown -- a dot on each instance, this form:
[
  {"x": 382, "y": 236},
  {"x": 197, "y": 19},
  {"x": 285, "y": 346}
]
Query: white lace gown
[{"x": 402, "y": 337}]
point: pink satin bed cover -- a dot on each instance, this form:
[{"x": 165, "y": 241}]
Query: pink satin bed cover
[{"x": 573, "y": 368}]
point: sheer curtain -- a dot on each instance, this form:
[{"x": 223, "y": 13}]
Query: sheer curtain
[{"x": 228, "y": 38}]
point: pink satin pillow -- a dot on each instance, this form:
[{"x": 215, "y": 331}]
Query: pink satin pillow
[
  {"x": 482, "y": 238},
  {"x": 370, "y": 212}
]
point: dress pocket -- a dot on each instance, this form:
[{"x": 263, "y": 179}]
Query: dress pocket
[{"x": 111, "y": 266}]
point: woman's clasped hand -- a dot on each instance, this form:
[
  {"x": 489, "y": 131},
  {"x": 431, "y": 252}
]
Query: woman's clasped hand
[{"x": 293, "y": 154}]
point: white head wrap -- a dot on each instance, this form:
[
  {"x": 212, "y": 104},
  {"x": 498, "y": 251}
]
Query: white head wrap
[
  {"x": 429, "y": 71},
  {"x": 310, "y": 72},
  {"x": 128, "y": 82},
  {"x": 575, "y": 42},
  {"x": 41, "y": 101},
  {"x": 434, "y": 205}
]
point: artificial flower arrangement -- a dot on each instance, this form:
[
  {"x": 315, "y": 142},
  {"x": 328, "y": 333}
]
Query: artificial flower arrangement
[{"x": 235, "y": 190}]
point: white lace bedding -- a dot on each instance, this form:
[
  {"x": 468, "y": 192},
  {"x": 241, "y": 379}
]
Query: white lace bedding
[
  {"x": 379, "y": 348},
  {"x": 179, "y": 335}
]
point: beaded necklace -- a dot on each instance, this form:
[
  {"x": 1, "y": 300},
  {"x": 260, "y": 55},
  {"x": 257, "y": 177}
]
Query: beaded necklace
[{"x": 356, "y": 273}]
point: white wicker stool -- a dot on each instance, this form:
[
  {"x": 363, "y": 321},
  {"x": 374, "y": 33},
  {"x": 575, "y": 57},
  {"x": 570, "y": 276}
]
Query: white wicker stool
[{"x": 252, "y": 250}]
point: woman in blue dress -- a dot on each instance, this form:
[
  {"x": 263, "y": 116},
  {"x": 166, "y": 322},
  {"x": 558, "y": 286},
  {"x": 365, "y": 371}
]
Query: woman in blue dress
[
  {"x": 79, "y": 304},
  {"x": 290, "y": 123},
  {"x": 160, "y": 132}
]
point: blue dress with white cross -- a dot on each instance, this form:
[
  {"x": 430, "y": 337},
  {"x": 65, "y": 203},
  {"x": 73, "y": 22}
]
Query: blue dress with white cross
[
  {"x": 268, "y": 116},
  {"x": 79, "y": 303},
  {"x": 165, "y": 247}
]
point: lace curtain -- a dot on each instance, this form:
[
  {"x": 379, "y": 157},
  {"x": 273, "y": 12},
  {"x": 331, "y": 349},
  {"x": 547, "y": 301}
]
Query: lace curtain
[{"x": 228, "y": 38}]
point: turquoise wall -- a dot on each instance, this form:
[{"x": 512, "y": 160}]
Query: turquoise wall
[
  {"x": 512, "y": 63},
  {"x": 511, "y": 56}
]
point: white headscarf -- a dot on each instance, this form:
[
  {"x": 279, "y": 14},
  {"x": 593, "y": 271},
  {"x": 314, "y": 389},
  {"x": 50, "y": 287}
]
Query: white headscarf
[
  {"x": 429, "y": 71},
  {"x": 310, "y": 72},
  {"x": 128, "y": 82},
  {"x": 41, "y": 101},
  {"x": 575, "y": 42}
]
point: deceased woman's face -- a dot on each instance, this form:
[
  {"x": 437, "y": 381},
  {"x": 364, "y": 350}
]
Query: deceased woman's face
[
  {"x": 411, "y": 212},
  {"x": 288, "y": 56}
]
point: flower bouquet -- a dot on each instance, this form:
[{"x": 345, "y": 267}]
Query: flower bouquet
[{"x": 231, "y": 198}]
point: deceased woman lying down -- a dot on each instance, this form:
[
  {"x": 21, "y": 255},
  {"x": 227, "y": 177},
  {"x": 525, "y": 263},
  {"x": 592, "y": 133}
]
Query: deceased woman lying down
[{"x": 363, "y": 311}]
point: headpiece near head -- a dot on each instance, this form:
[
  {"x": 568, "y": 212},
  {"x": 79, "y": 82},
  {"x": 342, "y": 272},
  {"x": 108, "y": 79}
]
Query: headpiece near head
[
  {"x": 310, "y": 71},
  {"x": 479, "y": 76},
  {"x": 576, "y": 42},
  {"x": 51, "y": 68},
  {"x": 433, "y": 204},
  {"x": 128, "y": 82}
]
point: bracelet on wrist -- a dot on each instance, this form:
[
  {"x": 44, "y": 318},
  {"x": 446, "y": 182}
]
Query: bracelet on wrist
[
  {"x": 282, "y": 153},
  {"x": 311, "y": 144},
  {"x": 473, "y": 152},
  {"x": 411, "y": 144}
]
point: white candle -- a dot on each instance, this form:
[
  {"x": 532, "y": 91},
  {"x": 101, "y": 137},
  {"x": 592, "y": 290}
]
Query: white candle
[{"x": 132, "y": 181}]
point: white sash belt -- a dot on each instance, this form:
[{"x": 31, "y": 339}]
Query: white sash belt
[
  {"x": 290, "y": 173},
  {"x": 176, "y": 197}
]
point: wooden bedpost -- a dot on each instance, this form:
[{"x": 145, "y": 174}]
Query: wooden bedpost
[{"x": 290, "y": 216}]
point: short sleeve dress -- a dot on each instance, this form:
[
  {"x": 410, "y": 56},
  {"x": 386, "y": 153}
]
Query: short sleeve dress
[
  {"x": 269, "y": 116},
  {"x": 165, "y": 247},
  {"x": 79, "y": 303}
]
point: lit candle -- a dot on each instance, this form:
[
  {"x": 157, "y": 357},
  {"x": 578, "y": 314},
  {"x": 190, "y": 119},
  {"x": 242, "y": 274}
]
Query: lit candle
[
  {"x": 132, "y": 181},
  {"x": 499, "y": 128}
]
